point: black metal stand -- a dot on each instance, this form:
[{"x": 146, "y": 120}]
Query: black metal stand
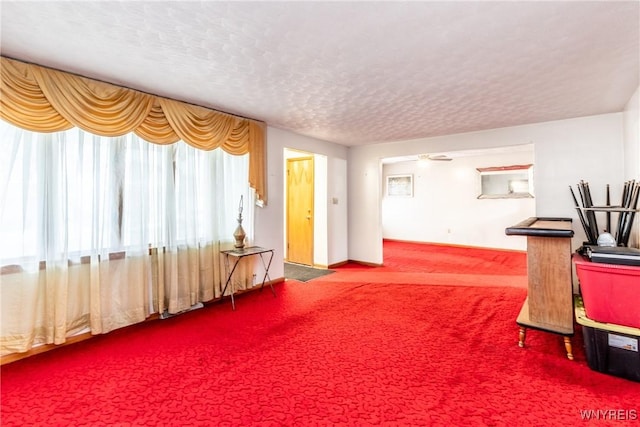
[{"x": 238, "y": 254}]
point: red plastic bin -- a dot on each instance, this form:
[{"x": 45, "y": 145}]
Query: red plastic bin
[{"x": 611, "y": 293}]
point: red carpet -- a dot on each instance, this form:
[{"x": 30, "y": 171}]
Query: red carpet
[
  {"x": 430, "y": 264},
  {"x": 321, "y": 353}
]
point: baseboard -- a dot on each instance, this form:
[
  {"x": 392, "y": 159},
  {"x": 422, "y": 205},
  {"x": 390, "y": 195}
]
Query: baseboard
[
  {"x": 455, "y": 245},
  {"x": 167, "y": 315},
  {"x": 353, "y": 261},
  {"x": 372, "y": 264},
  {"x": 338, "y": 264},
  {"x": 14, "y": 357},
  {"x": 365, "y": 263}
]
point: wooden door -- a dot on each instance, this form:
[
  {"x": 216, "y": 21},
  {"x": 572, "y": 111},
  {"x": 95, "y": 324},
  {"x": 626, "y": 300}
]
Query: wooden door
[{"x": 300, "y": 210}]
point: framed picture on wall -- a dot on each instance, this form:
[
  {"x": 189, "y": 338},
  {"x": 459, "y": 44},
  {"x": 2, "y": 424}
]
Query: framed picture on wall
[{"x": 400, "y": 185}]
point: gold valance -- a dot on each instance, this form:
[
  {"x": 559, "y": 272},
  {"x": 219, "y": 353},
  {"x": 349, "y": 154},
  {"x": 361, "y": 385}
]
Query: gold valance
[{"x": 45, "y": 100}]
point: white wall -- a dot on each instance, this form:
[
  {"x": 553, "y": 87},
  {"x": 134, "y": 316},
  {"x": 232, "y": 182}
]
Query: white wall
[
  {"x": 632, "y": 152},
  {"x": 445, "y": 207},
  {"x": 632, "y": 137},
  {"x": 269, "y": 220},
  {"x": 566, "y": 151},
  {"x": 588, "y": 148},
  {"x": 337, "y": 219}
]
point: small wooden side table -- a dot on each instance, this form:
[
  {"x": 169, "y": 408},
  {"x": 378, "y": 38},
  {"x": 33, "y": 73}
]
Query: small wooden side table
[{"x": 549, "y": 303}]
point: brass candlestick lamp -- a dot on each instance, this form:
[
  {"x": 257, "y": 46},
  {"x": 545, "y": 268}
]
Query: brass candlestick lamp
[{"x": 239, "y": 234}]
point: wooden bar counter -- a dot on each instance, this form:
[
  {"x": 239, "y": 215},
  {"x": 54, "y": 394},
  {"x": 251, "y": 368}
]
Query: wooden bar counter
[{"x": 549, "y": 303}]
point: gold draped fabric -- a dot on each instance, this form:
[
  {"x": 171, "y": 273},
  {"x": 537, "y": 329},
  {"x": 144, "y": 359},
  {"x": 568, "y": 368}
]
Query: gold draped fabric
[
  {"x": 40, "y": 99},
  {"x": 79, "y": 253}
]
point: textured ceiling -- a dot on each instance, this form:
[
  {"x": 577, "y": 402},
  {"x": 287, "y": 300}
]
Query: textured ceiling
[{"x": 348, "y": 72}]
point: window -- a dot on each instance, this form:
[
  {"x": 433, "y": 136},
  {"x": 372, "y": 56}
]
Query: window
[
  {"x": 503, "y": 182},
  {"x": 71, "y": 193}
]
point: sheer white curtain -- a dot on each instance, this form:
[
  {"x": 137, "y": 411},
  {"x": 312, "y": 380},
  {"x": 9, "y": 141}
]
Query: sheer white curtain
[{"x": 97, "y": 233}]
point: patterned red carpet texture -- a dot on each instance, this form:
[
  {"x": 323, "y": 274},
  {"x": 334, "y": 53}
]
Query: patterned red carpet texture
[{"x": 376, "y": 349}]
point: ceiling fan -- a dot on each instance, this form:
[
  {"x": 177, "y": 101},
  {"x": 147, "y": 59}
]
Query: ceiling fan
[{"x": 434, "y": 157}]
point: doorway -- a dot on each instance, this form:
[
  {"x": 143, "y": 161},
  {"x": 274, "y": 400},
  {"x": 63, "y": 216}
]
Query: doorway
[{"x": 300, "y": 210}]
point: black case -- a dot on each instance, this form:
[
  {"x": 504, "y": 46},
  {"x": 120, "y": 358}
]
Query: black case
[
  {"x": 608, "y": 359},
  {"x": 615, "y": 255}
]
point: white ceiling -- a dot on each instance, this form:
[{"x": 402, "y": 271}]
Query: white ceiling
[{"x": 348, "y": 72}]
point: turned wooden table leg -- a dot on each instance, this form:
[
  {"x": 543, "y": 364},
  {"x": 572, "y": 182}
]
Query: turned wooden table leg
[
  {"x": 567, "y": 346},
  {"x": 522, "y": 335}
]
